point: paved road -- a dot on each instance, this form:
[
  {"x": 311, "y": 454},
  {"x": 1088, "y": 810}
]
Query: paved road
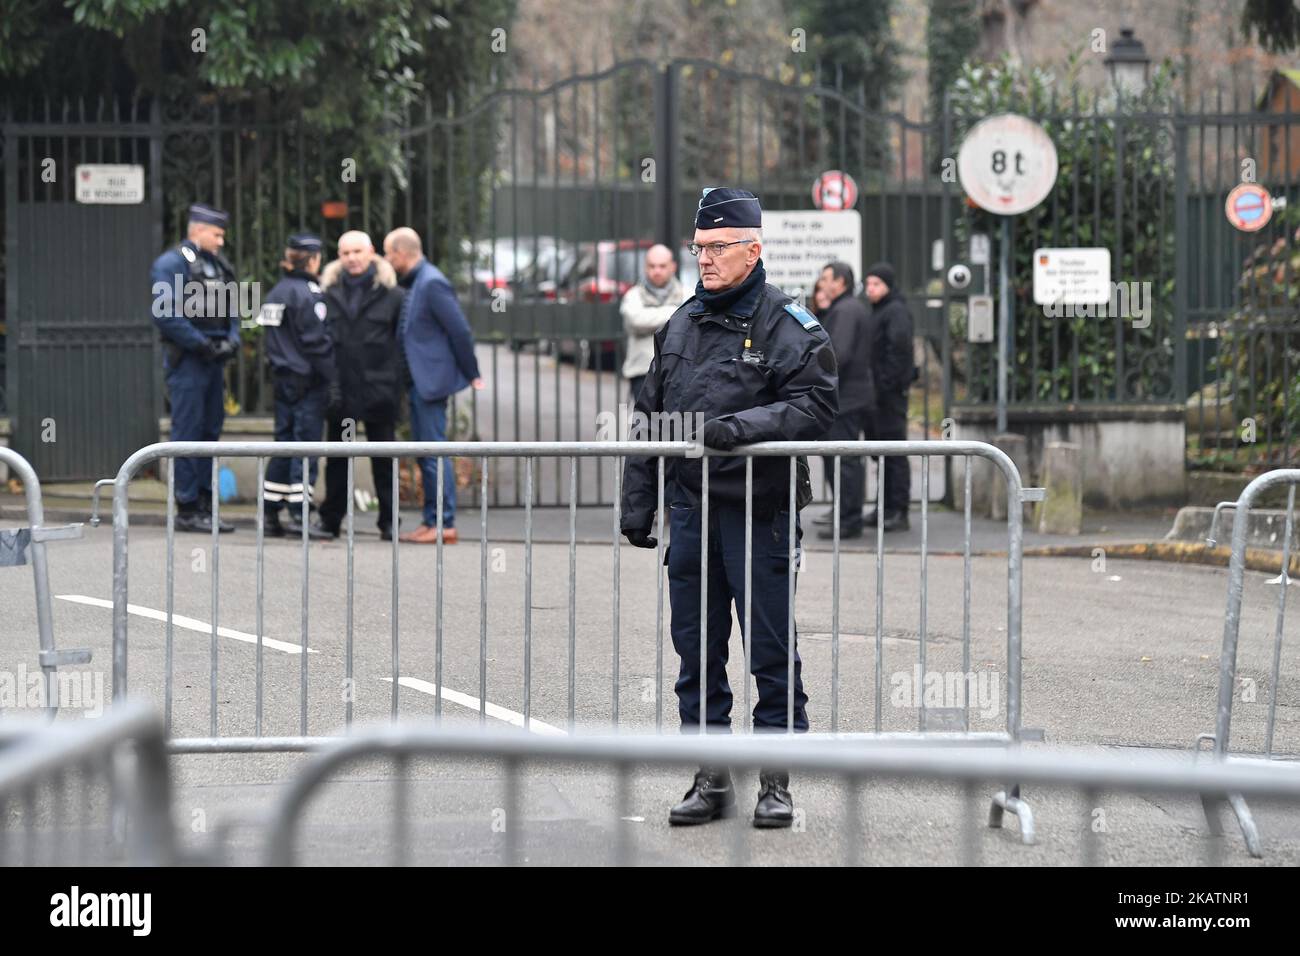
[{"x": 1123, "y": 658}]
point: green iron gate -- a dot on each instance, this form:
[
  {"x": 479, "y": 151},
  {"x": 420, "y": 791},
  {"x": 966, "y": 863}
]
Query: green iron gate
[
  {"x": 81, "y": 382},
  {"x": 566, "y": 183}
]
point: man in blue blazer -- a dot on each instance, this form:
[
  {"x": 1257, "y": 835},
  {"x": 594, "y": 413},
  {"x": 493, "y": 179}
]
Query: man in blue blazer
[{"x": 439, "y": 349}]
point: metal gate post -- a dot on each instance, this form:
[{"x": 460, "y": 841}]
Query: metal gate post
[{"x": 667, "y": 175}]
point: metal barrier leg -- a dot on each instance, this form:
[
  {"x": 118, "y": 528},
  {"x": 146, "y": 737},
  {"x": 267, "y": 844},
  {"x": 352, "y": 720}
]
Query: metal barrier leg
[
  {"x": 1249, "y": 832},
  {"x": 1210, "y": 806},
  {"x": 1013, "y": 804}
]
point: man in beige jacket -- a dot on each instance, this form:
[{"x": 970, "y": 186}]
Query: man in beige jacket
[{"x": 645, "y": 308}]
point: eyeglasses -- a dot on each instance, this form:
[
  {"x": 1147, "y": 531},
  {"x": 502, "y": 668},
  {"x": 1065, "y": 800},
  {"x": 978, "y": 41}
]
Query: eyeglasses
[{"x": 714, "y": 249}]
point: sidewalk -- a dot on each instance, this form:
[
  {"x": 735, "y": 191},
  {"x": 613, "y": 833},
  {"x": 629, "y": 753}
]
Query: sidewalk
[{"x": 71, "y": 502}]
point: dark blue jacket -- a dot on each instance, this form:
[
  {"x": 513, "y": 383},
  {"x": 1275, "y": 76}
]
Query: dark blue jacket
[
  {"x": 297, "y": 338},
  {"x": 436, "y": 339},
  {"x": 168, "y": 276},
  {"x": 787, "y": 391}
]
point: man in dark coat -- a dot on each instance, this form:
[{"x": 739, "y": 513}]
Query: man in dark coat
[
  {"x": 845, "y": 319},
  {"x": 363, "y": 305},
  {"x": 894, "y": 371},
  {"x": 754, "y": 366}
]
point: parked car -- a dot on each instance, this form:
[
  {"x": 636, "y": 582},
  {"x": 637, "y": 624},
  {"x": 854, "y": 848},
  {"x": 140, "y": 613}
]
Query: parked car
[
  {"x": 601, "y": 272},
  {"x": 504, "y": 264}
]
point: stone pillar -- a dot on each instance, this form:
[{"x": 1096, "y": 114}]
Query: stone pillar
[{"x": 1061, "y": 512}]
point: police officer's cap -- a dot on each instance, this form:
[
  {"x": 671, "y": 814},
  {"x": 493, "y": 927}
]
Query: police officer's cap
[
  {"x": 207, "y": 214},
  {"x": 305, "y": 242},
  {"x": 722, "y": 207}
]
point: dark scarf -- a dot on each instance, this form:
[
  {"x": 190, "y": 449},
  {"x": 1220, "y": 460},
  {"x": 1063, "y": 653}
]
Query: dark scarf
[
  {"x": 354, "y": 289},
  {"x": 407, "y": 280},
  {"x": 723, "y": 299}
]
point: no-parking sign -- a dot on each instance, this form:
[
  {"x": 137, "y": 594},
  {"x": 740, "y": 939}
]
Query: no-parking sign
[
  {"x": 834, "y": 190},
  {"x": 1249, "y": 207}
]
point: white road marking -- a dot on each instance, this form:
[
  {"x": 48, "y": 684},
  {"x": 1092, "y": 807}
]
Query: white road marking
[
  {"x": 188, "y": 623},
  {"x": 492, "y": 710},
  {"x": 495, "y": 711}
]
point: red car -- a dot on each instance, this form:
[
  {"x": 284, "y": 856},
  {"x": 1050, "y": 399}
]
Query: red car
[{"x": 602, "y": 272}]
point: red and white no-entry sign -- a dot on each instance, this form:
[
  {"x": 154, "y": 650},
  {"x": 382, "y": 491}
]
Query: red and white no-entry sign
[
  {"x": 1249, "y": 207},
  {"x": 834, "y": 190}
]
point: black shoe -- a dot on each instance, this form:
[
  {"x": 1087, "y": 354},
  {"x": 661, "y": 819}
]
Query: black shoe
[
  {"x": 225, "y": 527},
  {"x": 196, "y": 521},
  {"x": 897, "y": 522},
  {"x": 711, "y": 796},
  {"x": 271, "y": 526},
  {"x": 828, "y": 534},
  {"x": 869, "y": 519},
  {"x": 293, "y": 528},
  {"x": 775, "y": 807},
  {"x": 205, "y": 506}
]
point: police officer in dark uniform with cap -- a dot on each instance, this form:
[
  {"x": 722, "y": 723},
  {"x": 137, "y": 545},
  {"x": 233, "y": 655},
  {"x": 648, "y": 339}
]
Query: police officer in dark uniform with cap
[
  {"x": 757, "y": 367},
  {"x": 301, "y": 353},
  {"x": 200, "y": 329}
]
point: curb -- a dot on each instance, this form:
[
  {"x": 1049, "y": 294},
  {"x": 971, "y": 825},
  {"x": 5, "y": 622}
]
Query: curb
[{"x": 1175, "y": 552}]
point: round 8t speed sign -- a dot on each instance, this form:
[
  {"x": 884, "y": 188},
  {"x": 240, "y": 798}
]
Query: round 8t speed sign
[{"x": 1007, "y": 164}]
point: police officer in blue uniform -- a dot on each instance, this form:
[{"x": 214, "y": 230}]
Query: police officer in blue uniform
[
  {"x": 757, "y": 367},
  {"x": 301, "y": 354},
  {"x": 195, "y": 308}
]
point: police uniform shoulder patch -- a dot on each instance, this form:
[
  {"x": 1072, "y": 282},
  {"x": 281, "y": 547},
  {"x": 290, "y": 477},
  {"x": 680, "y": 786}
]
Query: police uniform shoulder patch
[
  {"x": 189, "y": 255},
  {"x": 312, "y": 286},
  {"x": 271, "y": 315},
  {"x": 806, "y": 318},
  {"x": 320, "y": 310}
]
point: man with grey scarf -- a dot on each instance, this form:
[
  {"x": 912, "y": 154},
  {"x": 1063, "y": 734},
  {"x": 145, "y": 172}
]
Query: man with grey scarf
[{"x": 645, "y": 308}]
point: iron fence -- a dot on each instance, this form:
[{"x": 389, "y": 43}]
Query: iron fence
[{"x": 859, "y": 710}]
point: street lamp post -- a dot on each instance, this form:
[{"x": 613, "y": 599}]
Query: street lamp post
[{"x": 1128, "y": 64}]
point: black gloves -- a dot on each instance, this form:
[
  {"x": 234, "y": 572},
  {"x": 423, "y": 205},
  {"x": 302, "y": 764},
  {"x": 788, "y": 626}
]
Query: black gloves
[
  {"x": 334, "y": 402},
  {"x": 640, "y": 538},
  {"x": 721, "y": 435},
  {"x": 218, "y": 350}
]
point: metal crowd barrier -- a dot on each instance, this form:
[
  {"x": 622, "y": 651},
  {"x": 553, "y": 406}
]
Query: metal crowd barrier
[
  {"x": 57, "y": 778},
  {"x": 488, "y": 451},
  {"x": 18, "y": 547},
  {"x": 853, "y": 765},
  {"x": 1221, "y": 737}
]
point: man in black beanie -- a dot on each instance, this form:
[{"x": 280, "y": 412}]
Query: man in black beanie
[
  {"x": 753, "y": 366},
  {"x": 850, "y": 329},
  {"x": 894, "y": 373}
]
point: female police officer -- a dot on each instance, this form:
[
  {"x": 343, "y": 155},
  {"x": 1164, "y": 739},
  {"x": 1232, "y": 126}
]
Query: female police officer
[{"x": 301, "y": 354}]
